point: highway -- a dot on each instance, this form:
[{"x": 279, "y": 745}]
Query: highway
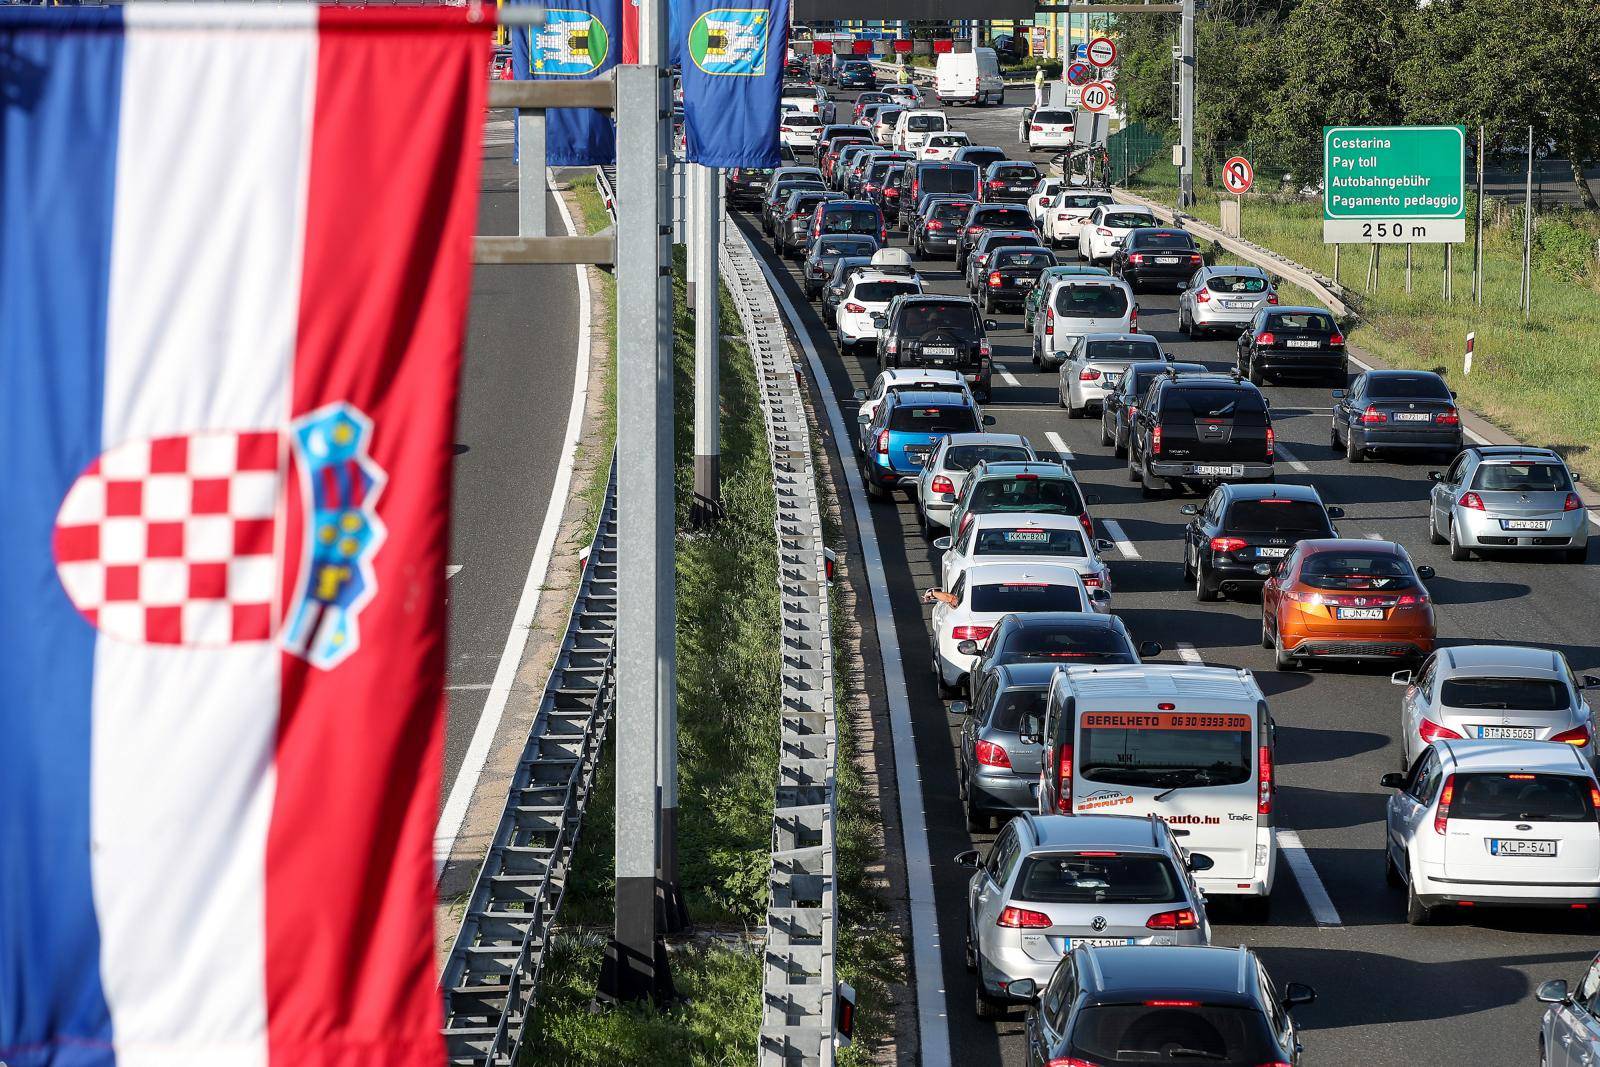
[{"x": 1460, "y": 992}]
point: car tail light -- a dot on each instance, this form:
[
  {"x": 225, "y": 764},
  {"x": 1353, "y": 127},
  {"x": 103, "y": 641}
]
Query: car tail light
[
  {"x": 883, "y": 233},
  {"x": 972, "y": 633},
  {"x": 1227, "y": 544},
  {"x": 1451, "y": 417},
  {"x": 1272, "y": 440},
  {"x": 1572, "y": 503},
  {"x": 1103, "y": 232},
  {"x": 1063, "y": 218},
  {"x": 883, "y": 442},
  {"x": 1035, "y": 128},
  {"x": 1049, "y": 321},
  {"x": 1577, "y": 737},
  {"x": 785, "y": 129},
  {"x": 1203, "y": 296},
  {"x": 1064, "y": 780},
  {"x": 1442, "y": 819},
  {"x": 1088, "y": 374},
  {"x": 996, "y": 183},
  {"x": 1471, "y": 500},
  {"x": 1265, "y": 782},
  {"x": 983, "y": 349},
  {"x": 1022, "y": 919},
  {"x": 994, "y": 279},
  {"x": 973, "y": 229},
  {"x": 1155, "y": 441},
  {"x": 1137, "y": 257},
  {"x": 1088, "y": 525},
  {"x": 1272, "y": 298},
  {"x": 1171, "y": 1004},
  {"x": 854, "y": 308},
  {"x": 935, "y": 224},
  {"x": 1091, "y": 581},
  {"x": 1336, "y": 340},
  {"x": 941, "y": 484},
  {"x": 1266, "y": 338},
  {"x": 1194, "y": 260},
  {"x": 1181, "y": 919},
  {"x": 1411, "y": 600},
  {"x": 1372, "y": 415},
  {"x": 990, "y": 754}
]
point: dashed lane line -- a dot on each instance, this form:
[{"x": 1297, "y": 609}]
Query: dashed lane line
[
  {"x": 1060, "y": 446},
  {"x": 1188, "y": 654},
  {"x": 1289, "y": 458},
  {"x": 1305, "y": 873},
  {"x": 1113, "y": 529},
  {"x": 1006, "y": 375}
]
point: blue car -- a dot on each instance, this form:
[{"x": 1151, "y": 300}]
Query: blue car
[{"x": 905, "y": 430}]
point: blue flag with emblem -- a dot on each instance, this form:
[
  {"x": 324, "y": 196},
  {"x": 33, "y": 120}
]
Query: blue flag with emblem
[
  {"x": 581, "y": 39},
  {"x": 732, "y": 75}
]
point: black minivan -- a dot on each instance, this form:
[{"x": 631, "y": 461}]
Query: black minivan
[
  {"x": 919, "y": 179},
  {"x": 1201, "y": 429}
]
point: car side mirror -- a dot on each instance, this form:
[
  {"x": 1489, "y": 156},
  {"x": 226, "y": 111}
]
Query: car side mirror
[
  {"x": 859, "y": 394},
  {"x": 968, "y": 859},
  {"x": 1553, "y": 992},
  {"x": 942, "y": 544},
  {"x": 959, "y": 707},
  {"x": 1437, "y": 476},
  {"x": 1393, "y": 780},
  {"x": 1452, "y": 394},
  {"x": 1149, "y": 649},
  {"x": 1189, "y": 509},
  {"x": 1590, "y": 682},
  {"x": 1426, "y": 572},
  {"x": 1099, "y": 596},
  {"x": 1336, "y": 513},
  {"x": 1102, "y": 545},
  {"x": 1339, "y": 394},
  {"x": 1023, "y": 989},
  {"x": 1400, "y": 678},
  {"x": 1199, "y": 861},
  {"x": 1298, "y": 993},
  {"x": 1577, "y": 479},
  {"x": 968, "y": 647},
  {"x": 990, "y": 324}
]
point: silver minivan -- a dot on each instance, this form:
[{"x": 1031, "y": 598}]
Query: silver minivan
[
  {"x": 1076, "y": 306},
  {"x": 1223, "y": 298}
]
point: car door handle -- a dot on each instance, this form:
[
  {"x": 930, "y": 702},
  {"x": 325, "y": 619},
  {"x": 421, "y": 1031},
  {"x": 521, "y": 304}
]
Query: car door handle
[{"x": 1566, "y": 1039}]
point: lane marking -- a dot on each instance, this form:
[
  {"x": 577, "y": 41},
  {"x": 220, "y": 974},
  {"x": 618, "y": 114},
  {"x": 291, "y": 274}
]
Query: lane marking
[
  {"x": 926, "y": 958},
  {"x": 1187, "y": 653},
  {"x": 451, "y": 571},
  {"x": 1113, "y": 530},
  {"x": 1374, "y": 535},
  {"x": 1289, "y": 458},
  {"x": 1311, "y": 887},
  {"x": 499, "y": 693},
  {"x": 1060, "y": 446},
  {"x": 1006, "y": 375}
]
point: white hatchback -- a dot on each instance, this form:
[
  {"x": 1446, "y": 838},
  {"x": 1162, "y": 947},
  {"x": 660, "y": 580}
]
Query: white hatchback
[
  {"x": 940, "y": 147},
  {"x": 946, "y": 471},
  {"x": 799, "y": 131},
  {"x": 1076, "y": 306},
  {"x": 1063, "y": 215},
  {"x": 1000, "y": 536},
  {"x": 984, "y": 594},
  {"x": 1095, "y": 367},
  {"x": 1043, "y": 193},
  {"x": 1050, "y": 128},
  {"x": 913, "y": 128},
  {"x": 1484, "y": 823},
  {"x": 1102, "y": 233},
  {"x": 869, "y": 295}
]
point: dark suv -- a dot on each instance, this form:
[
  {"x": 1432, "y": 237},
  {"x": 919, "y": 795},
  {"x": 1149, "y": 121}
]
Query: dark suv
[
  {"x": 1200, "y": 429},
  {"x": 989, "y": 217},
  {"x": 1009, "y": 181},
  {"x": 937, "y": 331},
  {"x": 1151, "y": 256},
  {"x": 1298, "y": 341},
  {"x": 920, "y": 179},
  {"x": 848, "y": 216},
  {"x": 1162, "y": 1003},
  {"x": 1242, "y": 531}
]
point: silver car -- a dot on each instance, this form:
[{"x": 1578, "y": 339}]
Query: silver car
[
  {"x": 1097, "y": 365},
  {"x": 1570, "y": 1033},
  {"x": 946, "y": 471},
  {"x": 1053, "y": 882},
  {"x": 1508, "y": 497},
  {"x": 1223, "y": 298},
  {"x": 999, "y": 754},
  {"x": 1494, "y": 692}
]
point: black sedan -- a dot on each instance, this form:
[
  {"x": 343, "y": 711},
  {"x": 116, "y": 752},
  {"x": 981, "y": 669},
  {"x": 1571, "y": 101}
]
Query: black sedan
[
  {"x": 1402, "y": 410},
  {"x": 934, "y": 230},
  {"x": 1151, "y": 257},
  {"x": 1283, "y": 342},
  {"x": 1011, "y": 274},
  {"x": 1242, "y": 531},
  {"x": 1009, "y": 181}
]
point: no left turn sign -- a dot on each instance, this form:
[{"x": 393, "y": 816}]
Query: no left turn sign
[
  {"x": 1102, "y": 51},
  {"x": 1238, "y": 175},
  {"x": 1097, "y": 96}
]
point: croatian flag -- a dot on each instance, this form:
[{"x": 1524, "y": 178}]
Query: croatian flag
[{"x": 234, "y": 270}]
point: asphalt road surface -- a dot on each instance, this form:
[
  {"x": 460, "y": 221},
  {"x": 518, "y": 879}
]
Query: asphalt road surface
[
  {"x": 1456, "y": 993},
  {"x": 516, "y": 388}
]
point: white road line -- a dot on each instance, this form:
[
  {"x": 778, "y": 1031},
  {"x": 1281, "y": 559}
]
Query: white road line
[
  {"x": 1187, "y": 653},
  {"x": 494, "y": 705},
  {"x": 1060, "y": 446},
  {"x": 1311, "y": 887},
  {"x": 1374, "y": 535},
  {"x": 1113, "y": 530},
  {"x": 932, "y": 1015},
  {"x": 1006, "y": 375},
  {"x": 1289, "y": 458},
  {"x": 451, "y": 571}
]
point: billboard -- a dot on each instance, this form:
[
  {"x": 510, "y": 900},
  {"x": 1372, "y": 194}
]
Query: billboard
[{"x": 911, "y": 10}]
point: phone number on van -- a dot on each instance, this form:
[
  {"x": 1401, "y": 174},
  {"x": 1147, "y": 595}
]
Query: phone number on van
[{"x": 1157, "y": 720}]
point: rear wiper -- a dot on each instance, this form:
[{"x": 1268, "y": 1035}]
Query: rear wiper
[
  {"x": 1492, "y": 705},
  {"x": 1194, "y": 1054}
]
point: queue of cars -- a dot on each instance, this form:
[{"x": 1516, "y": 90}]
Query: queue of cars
[{"x": 1131, "y": 795}]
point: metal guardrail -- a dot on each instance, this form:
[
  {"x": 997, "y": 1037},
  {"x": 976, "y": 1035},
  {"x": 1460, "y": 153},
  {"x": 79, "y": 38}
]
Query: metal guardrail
[
  {"x": 799, "y": 994},
  {"x": 498, "y": 957}
]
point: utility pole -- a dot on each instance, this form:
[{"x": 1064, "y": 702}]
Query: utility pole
[
  {"x": 1527, "y": 237},
  {"x": 707, "y": 345},
  {"x": 635, "y": 965},
  {"x": 1186, "y": 73},
  {"x": 1477, "y": 239}
]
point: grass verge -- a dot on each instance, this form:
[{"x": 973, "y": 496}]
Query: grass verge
[
  {"x": 1538, "y": 380},
  {"x": 593, "y": 218}
]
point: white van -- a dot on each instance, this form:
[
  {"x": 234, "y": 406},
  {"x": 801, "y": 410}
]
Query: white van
[
  {"x": 1076, "y": 306},
  {"x": 913, "y": 128},
  {"x": 968, "y": 78},
  {"x": 1191, "y": 745}
]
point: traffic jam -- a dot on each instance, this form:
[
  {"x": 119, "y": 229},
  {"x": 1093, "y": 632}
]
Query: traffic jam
[{"x": 1247, "y": 683}]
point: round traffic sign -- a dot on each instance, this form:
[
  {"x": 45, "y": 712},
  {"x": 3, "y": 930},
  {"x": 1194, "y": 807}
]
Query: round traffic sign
[
  {"x": 1097, "y": 96},
  {"x": 1078, "y": 74},
  {"x": 1102, "y": 51},
  {"x": 1238, "y": 175}
]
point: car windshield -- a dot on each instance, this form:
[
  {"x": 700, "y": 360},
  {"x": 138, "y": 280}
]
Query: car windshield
[
  {"x": 1122, "y": 350},
  {"x": 1030, "y": 542},
  {"x": 1531, "y": 477},
  {"x": 1162, "y": 1032},
  {"x": 1162, "y": 240},
  {"x": 1236, "y": 283},
  {"x": 1014, "y": 705},
  {"x": 845, "y": 246},
  {"x": 1529, "y": 797},
  {"x": 929, "y": 419},
  {"x": 1075, "y": 878},
  {"x": 1008, "y": 597},
  {"x": 1127, "y": 220},
  {"x": 852, "y": 219},
  {"x": 920, "y": 123},
  {"x": 1091, "y": 301},
  {"x": 1420, "y": 386},
  {"x": 1205, "y": 403},
  {"x": 1164, "y": 749},
  {"x": 1078, "y": 644},
  {"x": 1053, "y": 116},
  {"x": 1026, "y": 259},
  {"x": 1301, "y": 322},
  {"x": 965, "y": 457},
  {"x": 1051, "y": 496},
  {"x": 1355, "y": 571},
  {"x": 919, "y": 319},
  {"x": 1505, "y": 694},
  {"x": 883, "y": 292},
  {"x": 1275, "y": 515}
]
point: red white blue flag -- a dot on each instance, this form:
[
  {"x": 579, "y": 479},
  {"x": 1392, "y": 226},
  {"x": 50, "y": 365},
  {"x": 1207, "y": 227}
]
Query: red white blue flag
[{"x": 234, "y": 270}]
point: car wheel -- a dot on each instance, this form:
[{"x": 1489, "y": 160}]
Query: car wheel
[
  {"x": 1417, "y": 913},
  {"x": 1133, "y": 468},
  {"x": 1061, "y": 400},
  {"x": 977, "y": 822},
  {"x": 874, "y": 491},
  {"x": 1183, "y": 323},
  {"x": 1152, "y": 485},
  {"x": 1072, "y": 412},
  {"x": 1253, "y": 372},
  {"x": 1202, "y": 589},
  {"x": 1119, "y": 444},
  {"x": 971, "y": 952},
  {"x": 985, "y": 1009},
  {"x": 1105, "y": 438},
  {"x": 1433, "y": 530},
  {"x": 945, "y": 688},
  {"x": 1458, "y": 552},
  {"x": 1353, "y": 452},
  {"x": 1333, "y": 436},
  {"x": 1266, "y": 634},
  {"x": 1284, "y": 661},
  {"x": 1391, "y": 873}
]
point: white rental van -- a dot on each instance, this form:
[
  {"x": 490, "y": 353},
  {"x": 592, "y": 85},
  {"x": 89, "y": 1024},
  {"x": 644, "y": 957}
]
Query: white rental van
[
  {"x": 968, "y": 78},
  {"x": 1191, "y": 745}
]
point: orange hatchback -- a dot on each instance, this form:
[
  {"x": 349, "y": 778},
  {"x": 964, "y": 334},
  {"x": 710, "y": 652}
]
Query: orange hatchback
[{"x": 1346, "y": 599}]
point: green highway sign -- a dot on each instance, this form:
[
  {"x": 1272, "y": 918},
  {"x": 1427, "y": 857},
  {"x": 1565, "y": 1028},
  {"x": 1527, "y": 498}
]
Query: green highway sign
[{"x": 1394, "y": 184}]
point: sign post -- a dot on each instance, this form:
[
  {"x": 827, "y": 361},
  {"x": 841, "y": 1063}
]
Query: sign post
[{"x": 1394, "y": 184}]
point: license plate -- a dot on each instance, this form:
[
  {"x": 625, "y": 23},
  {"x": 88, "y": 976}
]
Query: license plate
[
  {"x": 1272, "y": 553},
  {"x": 1506, "y": 733},
  {"x": 1524, "y": 524},
  {"x": 1358, "y": 613},
  {"x": 1025, "y": 283},
  {"x": 1303, "y": 344},
  {"x": 1500, "y": 846},
  {"x": 916, "y": 458},
  {"x": 1412, "y": 416},
  {"x": 937, "y": 350},
  {"x": 1166, "y": 259},
  {"x": 1098, "y": 942},
  {"x": 1238, "y": 304},
  {"x": 1220, "y": 470}
]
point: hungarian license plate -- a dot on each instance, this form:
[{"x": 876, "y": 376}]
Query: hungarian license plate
[
  {"x": 1166, "y": 260},
  {"x": 939, "y": 350},
  {"x": 1303, "y": 344},
  {"x": 1025, "y": 283},
  {"x": 1236, "y": 304},
  {"x": 1272, "y": 553},
  {"x": 1220, "y": 470},
  {"x": 1502, "y": 846},
  {"x": 1524, "y": 524},
  {"x": 1412, "y": 416},
  {"x": 1098, "y": 942},
  {"x": 1506, "y": 733},
  {"x": 1358, "y": 613}
]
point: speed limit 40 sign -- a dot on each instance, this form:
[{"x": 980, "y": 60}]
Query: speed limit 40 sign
[
  {"x": 1097, "y": 96},
  {"x": 1238, "y": 175}
]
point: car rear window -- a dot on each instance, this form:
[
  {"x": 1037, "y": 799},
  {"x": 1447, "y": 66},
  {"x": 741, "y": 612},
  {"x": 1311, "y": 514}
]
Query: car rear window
[
  {"x": 983, "y": 157},
  {"x": 965, "y": 457},
  {"x": 1016, "y": 170},
  {"x": 1030, "y": 542},
  {"x": 1007, "y": 597},
  {"x": 1053, "y": 116},
  {"x": 1076, "y": 644},
  {"x": 1003, "y": 218},
  {"x": 1073, "y": 878},
  {"x": 1355, "y": 571},
  {"x": 1082, "y": 200},
  {"x": 1163, "y": 240},
  {"x": 1421, "y": 386},
  {"x": 1236, "y": 283},
  {"x": 1165, "y": 749},
  {"x": 1127, "y": 220},
  {"x": 1212, "y": 403},
  {"x": 1091, "y": 301},
  {"x": 947, "y": 180},
  {"x": 1051, "y": 496},
  {"x": 921, "y": 318},
  {"x": 1152, "y": 1033},
  {"x": 920, "y": 123},
  {"x": 1120, "y": 350},
  {"x": 1029, "y": 259},
  {"x": 1274, "y": 515},
  {"x": 1505, "y": 694},
  {"x": 1301, "y": 322},
  {"x": 1522, "y": 478},
  {"x": 952, "y": 210},
  {"x": 1524, "y": 797},
  {"x": 947, "y": 140},
  {"x": 933, "y": 419},
  {"x": 1016, "y": 704},
  {"x": 846, "y": 246},
  {"x": 857, "y": 219},
  {"x": 883, "y": 291}
]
